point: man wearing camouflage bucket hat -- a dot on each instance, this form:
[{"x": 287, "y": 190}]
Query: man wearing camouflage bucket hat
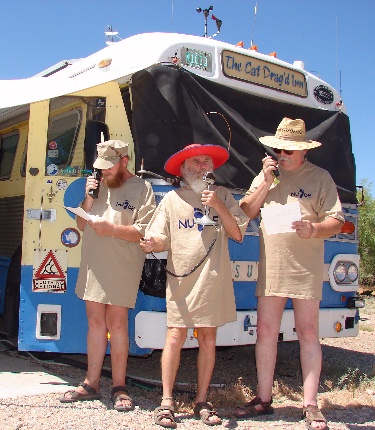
[
  {"x": 291, "y": 263},
  {"x": 111, "y": 267}
]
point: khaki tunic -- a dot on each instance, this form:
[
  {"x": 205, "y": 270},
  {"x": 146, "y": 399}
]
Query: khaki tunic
[
  {"x": 290, "y": 266},
  {"x": 204, "y": 298},
  {"x": 111, "y": 268}
]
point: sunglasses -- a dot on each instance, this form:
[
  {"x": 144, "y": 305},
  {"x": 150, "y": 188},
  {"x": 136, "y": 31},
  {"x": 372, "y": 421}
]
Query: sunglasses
[{"x": 287, "y": 151}]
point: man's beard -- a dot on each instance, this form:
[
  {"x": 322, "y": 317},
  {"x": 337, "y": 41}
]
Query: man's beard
[
  {"x": 117, "y": 181},
  {"x": 195, "y": 180}
]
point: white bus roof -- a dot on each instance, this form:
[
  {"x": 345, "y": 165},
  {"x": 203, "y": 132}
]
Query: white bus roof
[{"x": 144, "y": 50}]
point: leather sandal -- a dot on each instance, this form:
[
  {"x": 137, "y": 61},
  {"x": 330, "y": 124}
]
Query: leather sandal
[
  {"x": 311, "y": 413},
  {"x": 119, "y": 398},
  {"x": 204, "y": 411},
  {"x": 248, "y": 410},
  {"x": 164, "y": 416},
  {"x": 76, "y": 396}
]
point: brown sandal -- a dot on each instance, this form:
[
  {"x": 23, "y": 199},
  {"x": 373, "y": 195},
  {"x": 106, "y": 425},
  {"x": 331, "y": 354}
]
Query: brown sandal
[
  {"x": 311, "y": 413},
  {"x": 119, "y": 398},
  {"x": 165, "y": 413},
  {"x": 76, "y": 396},
  {"x": 204, "y": 411},
  {"x": 248, "y": 410}
]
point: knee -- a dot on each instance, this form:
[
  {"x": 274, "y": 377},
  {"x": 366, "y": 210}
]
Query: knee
[
  {"x": 96, "y": 322},
  {"x": 207, "y": 340},
  {"x": 114, "y": 325},
  {"x": 266, "y": 331},
  {"x": 308, "y": 333},
  {"x": 175, "y": 338}
]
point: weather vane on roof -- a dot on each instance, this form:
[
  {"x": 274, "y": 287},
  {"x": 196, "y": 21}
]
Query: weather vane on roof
[
  {"x": 206, "y": 13},
  {"x": 110, "y": 34}
]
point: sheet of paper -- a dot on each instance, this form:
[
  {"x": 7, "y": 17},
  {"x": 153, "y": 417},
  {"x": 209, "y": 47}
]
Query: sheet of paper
[
  {"x": 279, "y": 218},
  {"x": 80, "y": 212}
]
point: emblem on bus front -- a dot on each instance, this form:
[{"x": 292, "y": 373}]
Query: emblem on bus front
[{"x": 323, "y": 94}]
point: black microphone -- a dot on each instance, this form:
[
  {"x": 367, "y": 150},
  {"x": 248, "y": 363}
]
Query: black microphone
[
  {"x": 97, "y": 174},
  {"x": 275, "y": 172}
]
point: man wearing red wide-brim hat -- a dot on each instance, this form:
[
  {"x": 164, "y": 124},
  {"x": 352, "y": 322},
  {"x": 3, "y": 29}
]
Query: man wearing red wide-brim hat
[{"x": 199, "y": 279}]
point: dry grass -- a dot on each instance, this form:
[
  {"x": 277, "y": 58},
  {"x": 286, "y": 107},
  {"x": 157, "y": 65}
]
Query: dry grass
[{"x": 347, "y": 379}]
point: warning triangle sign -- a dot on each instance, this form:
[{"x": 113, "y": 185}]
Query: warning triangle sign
[{"x": 50, "y": 268}]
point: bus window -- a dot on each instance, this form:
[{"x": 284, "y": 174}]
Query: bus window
[
  {"x": 62, "y": 137},
  {"x": 8, "y": 148}
]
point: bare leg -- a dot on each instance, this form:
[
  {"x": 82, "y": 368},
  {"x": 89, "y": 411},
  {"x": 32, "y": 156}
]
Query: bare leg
[
  {"x": 96, "y": 344},
  {"x": 206, "y": 360},
  {"x": 206, "y": 364},
  {"x": 270, "y": 311},
  {"x": 117, "y": 323},
  {"x": 170, "y": 360},
  {"x": 306, "y": 314}
]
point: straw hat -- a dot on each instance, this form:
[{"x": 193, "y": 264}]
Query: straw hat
[
  {"x": 290, "y": 135},
  {"x": 110, "y": 153},
  {"x": 218, "y": 154}
]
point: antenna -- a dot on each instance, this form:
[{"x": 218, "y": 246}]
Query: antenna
[
  {"x": 206, "y": 13},
  {"x": 172, "y": 16},
  {"x": 255, "y": 17},
  {"x": 110, "y": 34}
]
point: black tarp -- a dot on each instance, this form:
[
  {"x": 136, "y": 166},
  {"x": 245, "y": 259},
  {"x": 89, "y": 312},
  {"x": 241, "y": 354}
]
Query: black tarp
[{"x": 173, "y": 108}]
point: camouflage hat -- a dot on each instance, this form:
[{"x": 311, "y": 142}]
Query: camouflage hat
[{"x": 110, "y": 153}]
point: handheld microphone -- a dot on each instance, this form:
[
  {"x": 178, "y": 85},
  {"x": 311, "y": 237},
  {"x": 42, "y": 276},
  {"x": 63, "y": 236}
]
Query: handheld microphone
[
  {"x": 97, "y": 174},
  {"x": 275, "y": 172}
]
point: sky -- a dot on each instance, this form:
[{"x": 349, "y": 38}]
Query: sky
[{"x": 334, "y": 38}]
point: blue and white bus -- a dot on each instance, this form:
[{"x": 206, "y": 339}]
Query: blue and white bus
[{"x": 159, "y": 92}]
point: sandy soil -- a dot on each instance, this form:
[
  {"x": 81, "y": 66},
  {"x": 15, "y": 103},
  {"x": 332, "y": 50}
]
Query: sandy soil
[{"x": 346, "y": 394}]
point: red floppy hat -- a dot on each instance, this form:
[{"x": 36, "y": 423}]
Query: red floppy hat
[{"x": 218, "y": 154}]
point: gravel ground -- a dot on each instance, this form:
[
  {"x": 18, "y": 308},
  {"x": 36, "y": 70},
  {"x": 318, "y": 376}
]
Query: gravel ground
[{"x": 346, "y": 395}]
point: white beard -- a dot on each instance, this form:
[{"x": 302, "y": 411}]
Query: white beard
[
  {"x": 197, "y": 185},
  {"x": 195, "y": 180}
]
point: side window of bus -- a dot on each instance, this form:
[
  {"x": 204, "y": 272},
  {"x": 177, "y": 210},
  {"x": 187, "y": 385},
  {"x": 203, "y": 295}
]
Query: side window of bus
[
  {"x": 8, "y": 147},
  {"x": 62, "y": 137}
]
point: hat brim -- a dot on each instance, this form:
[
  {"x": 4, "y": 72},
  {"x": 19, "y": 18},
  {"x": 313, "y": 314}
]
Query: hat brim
[
  {"x": 218, "y": 154},
  {"x": 101, "y": 163},
  {"x": 292, "y": 145}
]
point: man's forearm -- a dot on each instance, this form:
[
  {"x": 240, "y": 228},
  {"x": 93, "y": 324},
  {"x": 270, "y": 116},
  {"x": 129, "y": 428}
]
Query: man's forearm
[{"x": 252, "y": 203}]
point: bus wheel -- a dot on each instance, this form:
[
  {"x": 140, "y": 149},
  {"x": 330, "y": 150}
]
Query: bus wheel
[{"x": 12, "y": 295}]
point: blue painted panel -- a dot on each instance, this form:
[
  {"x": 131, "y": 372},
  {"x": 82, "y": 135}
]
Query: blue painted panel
[
  {"x": 73, "y": 316},
  {"x": 332, "y": 248}
]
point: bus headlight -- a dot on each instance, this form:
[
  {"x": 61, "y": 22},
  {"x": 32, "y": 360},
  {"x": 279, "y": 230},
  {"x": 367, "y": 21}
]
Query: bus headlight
[
  {"x": 352, "y": 273},
  {"x": 339, "y": 272},
  {"x": 343, "y": 272}
]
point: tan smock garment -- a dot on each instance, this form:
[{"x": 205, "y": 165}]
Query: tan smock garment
[
  {"x": 204, "y": 298},
  {"x": 290, "y": 266},
  {"x": 111, "y": 268}
]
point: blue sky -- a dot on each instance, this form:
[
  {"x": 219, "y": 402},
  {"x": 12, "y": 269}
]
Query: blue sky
[{"x": 334, "y": 38}]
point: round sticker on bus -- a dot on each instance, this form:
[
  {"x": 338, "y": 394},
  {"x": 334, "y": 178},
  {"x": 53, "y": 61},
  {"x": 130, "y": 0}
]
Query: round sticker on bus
[
  {"x": 70, "y": 237},
  {"x": 62, "y": 184},
  {"x": 52, "y": 169}
]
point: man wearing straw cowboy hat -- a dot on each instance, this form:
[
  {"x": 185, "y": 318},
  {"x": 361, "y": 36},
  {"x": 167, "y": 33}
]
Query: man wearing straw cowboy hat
[
  {"x": 199, "y": 281},
  {"x": 291, "y": 263}
]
